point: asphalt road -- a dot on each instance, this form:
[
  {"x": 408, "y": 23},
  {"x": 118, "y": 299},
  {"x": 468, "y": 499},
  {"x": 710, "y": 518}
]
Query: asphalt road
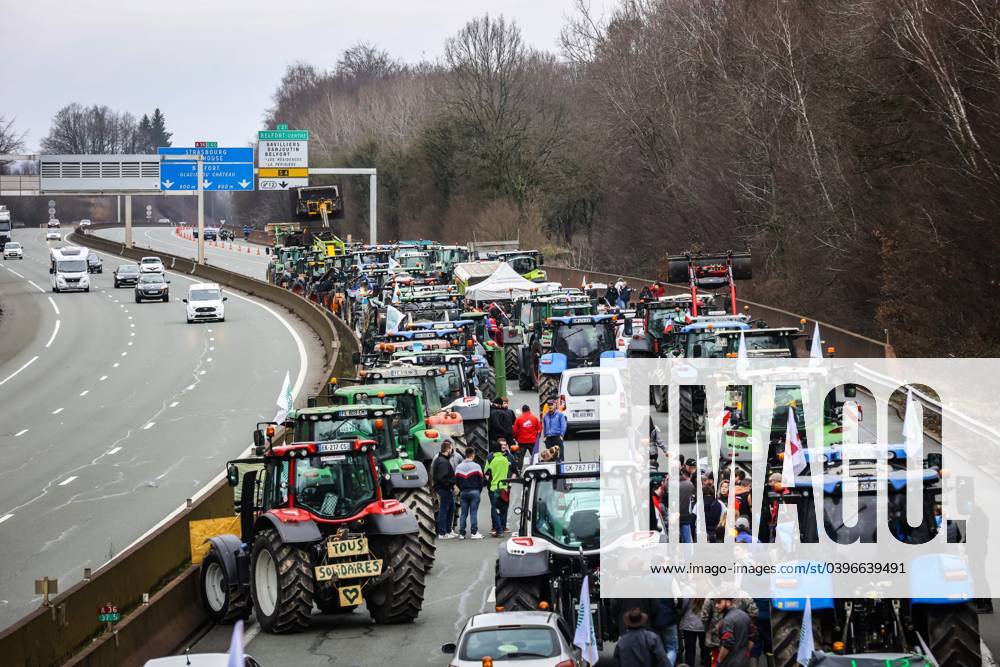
[
  {"x": 112, "y": 413},
  {"x": 461, "y": 583},
  {"x": 230, "y": 256}
]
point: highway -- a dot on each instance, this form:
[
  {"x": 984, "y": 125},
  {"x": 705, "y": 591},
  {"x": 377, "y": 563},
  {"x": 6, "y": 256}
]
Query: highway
[{"x": 112, "y": 413}]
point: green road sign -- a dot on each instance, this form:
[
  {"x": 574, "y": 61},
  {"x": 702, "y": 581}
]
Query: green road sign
[
  {"x": 283, "y": 135},
  {"x": 109, "y": 618}
]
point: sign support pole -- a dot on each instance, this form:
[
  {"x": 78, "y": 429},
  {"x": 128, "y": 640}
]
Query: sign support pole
[
  {"x": 372, "y": 208},
  {"x": 128, "y": 221},
  {"x": 201, "y": 213}
]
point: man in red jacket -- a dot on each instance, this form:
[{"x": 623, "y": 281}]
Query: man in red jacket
[{"x": 526, "y": 429}]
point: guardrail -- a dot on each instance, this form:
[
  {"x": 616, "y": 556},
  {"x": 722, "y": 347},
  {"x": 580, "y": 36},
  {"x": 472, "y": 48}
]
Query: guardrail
[
  {"x": 848, "y": 343},
  {"x": 158, "y": 565}
]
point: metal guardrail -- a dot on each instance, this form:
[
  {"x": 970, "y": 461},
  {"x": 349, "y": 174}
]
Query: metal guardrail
[{"x": 158, "y": 565}]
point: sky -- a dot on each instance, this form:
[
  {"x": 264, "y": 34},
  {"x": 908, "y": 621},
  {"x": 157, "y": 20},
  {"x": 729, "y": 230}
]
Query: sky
[{"x": 211, "y": 66}]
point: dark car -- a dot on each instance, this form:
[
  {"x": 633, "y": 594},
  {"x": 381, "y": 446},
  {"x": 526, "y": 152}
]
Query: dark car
[
  {"x": 226, "y": 234},
  {"x": 94, "y": 263},
  {"x": 126, "y": 274},
  {"x": 152, "y": 286},
  {"x": 211, "y": 234}
]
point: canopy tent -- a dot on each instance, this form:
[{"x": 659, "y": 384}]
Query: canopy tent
[
  {"x": 504, "y": 283},
  {"x": 471, "y": 273}
]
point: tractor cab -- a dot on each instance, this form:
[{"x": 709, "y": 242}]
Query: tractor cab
[
  {"x": 777, "y": 343},
  {"x": 371, "y": 422},
  {"x": 700, "y": 340},
  {"x": 526, "y": 263}
]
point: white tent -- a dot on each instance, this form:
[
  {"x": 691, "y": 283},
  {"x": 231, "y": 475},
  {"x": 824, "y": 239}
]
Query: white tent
[{"x": 504, "y": 283}]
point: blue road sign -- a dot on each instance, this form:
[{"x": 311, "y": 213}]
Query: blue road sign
[{"x": 222, "y": 169}]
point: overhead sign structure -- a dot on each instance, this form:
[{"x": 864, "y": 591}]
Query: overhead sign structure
[
  {"x": 225, "y": 169},
  {"x": 99, "y": 173},
  {"x": 282, "y": 158}
]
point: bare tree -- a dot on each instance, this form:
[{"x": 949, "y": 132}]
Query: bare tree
[
  {"x": 92, "y": 130},
  {"x": 11, "y": 141}
]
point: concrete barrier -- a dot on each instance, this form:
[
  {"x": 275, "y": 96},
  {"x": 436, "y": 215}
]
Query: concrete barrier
[
  {"x": 847, "y": 343},
  {"x": 158, "y": 566}
]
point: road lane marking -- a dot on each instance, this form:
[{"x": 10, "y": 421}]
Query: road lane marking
[
  {"x": 124, "y": 354},
  {"x": 114, "y": 450},
  {"x": 114, "y": 365},
  {"x": 30, "y": 361},
  {"x": 130, "y": 343},
  {"x": 20, "y": 433},
  {"x": 19, "y": 276},
  {"x": 148, "y": 426},
  {"x": 174, "y": 404},
  {"x": 67, "y": 480},
  {"x": 57, "y": 410},
  {"x": 55, "y": 332},
  {"x": 53, "y": 302},
  {"x": 5, "y": 517},
  {"x": 84, "y": 392},
  {"x": 32, "y": 282},
  {"x": 102, "y": 378}
]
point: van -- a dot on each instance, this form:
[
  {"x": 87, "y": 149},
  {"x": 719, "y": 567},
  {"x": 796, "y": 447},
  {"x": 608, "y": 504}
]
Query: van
[
  {"x": 69, "y": 270},
  {"x": 205, "y": 302},
  {"x": 591, "y": 395}
]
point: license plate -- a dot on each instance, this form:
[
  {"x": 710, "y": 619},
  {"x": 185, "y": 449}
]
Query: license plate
[
  {"x": 350, "y": 595},
  {"x": 583, "y": 414},
  {"x": 331, "y": 447},
  {"x": 355, "y": 546},
  {"x": 349, "y": 570},
  {"x": 868, "y": 485},
  {"x": 570, "y": 468}
]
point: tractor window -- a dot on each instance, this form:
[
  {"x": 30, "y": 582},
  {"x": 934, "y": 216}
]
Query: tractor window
[
  {"x": 427, "y": 386},
  {"x": 583, "y": 340},
  {"x": 660, "y": 318},
  {"x": 567, "y": 511},
  {"x": 763, "y": 342},
  {"x": 449, "y": 385},
  {"x": 406, "y": 411},
  {"x": 522, "y": 265},
  {"x": 335, "y": 486},
  {"x": 709, "y": 346},
  {"x": 344, "y": 429}
]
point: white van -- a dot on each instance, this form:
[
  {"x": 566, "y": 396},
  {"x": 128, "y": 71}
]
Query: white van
[
  {"x": 592, "y": 394},
  {"x": 205, "y": 302},
  {"x": 69, "y": 270}
]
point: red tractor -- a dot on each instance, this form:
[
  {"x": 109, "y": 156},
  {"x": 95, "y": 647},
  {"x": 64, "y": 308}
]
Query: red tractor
[
  {"x": 709, "y": 272},
  {"x": 315, "y": 529}
]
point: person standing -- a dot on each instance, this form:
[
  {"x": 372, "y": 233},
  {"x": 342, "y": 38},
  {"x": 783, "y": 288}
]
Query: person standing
[
  {"x": 735, "y": 635},
  {"x": 470, "y": 479},
  {"x": 443, "y": 478},
  {"x": 685, "y": 506},
  {"x": 497, "y": 472},
  {"x": 554, "y": 427},
  {"x": 527, "y": 428},
  {"x": 665, "y": 625},
  {"x": 637, "y": 646},
  {"x": 501, "y": 421},
  {"x": 656, "y": 290},
  {"x": 692, "y": 630}
]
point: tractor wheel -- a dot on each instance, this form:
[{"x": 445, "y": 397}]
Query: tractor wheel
[
  {"x": 785, "y": 630},
  {"x": 400, "y": 595},
  {"x": 282, "y": 583},
  {"x": 535, "y": 357},
  {"x": 519, "y": 593},
  {"x": 488, "y": 383},
  {"x": 548, "y": 388},
  {"x": 512, "y": 361},
  {"x": 221, "y": 604},
  {"x": 421, "y": 502},
  {"x": 687, "y": 416},
  {"x": 953, "y": 634},
  {"x": 477, "y": 436},
  {"x": 660, "y": 397}
]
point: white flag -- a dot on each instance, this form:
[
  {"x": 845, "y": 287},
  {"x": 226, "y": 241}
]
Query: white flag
[
  {"x": 284, "y": 401},
  {"x": 584, "y": 284},
  {"x": 816, "y": 351},
  {"x": 741, "y": 353},
  {"x": 585, "y": 637},
  {"x": 393, "y": 318},
  {"x": 236, "y": 658},
  {"x": 806, "y": 642},
  {"x": 793, "y": 446}
]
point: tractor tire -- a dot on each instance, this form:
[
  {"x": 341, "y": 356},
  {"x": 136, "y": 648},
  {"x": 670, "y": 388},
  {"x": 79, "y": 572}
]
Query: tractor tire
[
  {"x": 477, "y": 436},
  {"x": 518, "y": 593},
  {"x": 548, "y": 388},
  {"x": 488, "y": 383},
  {"x": 219, "y": 602},
  {"x": 282, "y": 583},
  {"x": 660, "y": 398},
  {"x": 953, "y": 634},
  {"x": 687, "y": 418},
  {"x": 421, "y": 502},
  {"x": 785, "y": 630},
  {"x": 512, "y": 362},
  {"x": 534, "y": 359},
  {"x": 400, "y": 595}
]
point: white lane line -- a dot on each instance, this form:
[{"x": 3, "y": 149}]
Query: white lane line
[
  {"x": 55, "y": 332},
  {"x": 130, "y": 343},
  {"x": 174, "y": 404},
  {"x": 67, "y": 480},
  {"x": 32, "y": 283},
  {"x": 115, "y": 365},
  {"x": 124, "y": 354},
  {"x": 102, "y": 378},
  {"x": 30, "y": 361},
  {"x": 131, "y": 333},
  {"x": 57, "y": 410},
  {"x": 20, "y": 433},
  {"x": 208, "y": 359},
  {"x": 84, "y": 392},
  {"x": 148, "y": 426},
  {"x": 19, "y": 276},
  {"x": 53, "y": 302},
  {"x": 5, "y": 517},
  {"x": 114, "y": 450}
]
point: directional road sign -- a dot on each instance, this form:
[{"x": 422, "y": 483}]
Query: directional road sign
[
  {"x": 222, "y": 169},
  {"x": 283, "y": 158}
]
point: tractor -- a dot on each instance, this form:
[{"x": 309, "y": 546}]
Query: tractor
[
  {"x": 522, "y": 338},
  {"x": 527, "y": 263},
  {"x": 573, "y": 342},
  {"x": 317, "y": 528},
  {"x": 710, "y": 272}
]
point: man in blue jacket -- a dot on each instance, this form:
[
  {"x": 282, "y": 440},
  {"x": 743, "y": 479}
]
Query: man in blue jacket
[{"x": 554, "y": 427}]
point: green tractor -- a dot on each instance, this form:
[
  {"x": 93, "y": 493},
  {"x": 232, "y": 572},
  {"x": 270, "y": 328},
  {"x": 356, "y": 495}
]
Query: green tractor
[
  {"x": 527, "y": 263},
  {"x": 522, "y": 340}
]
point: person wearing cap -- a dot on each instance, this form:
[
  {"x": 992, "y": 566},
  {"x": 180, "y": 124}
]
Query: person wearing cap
[
  {"x": 554, "y": 427},
  {"x": 743, "y": 530},
  {"x": 638, "y": 646}
]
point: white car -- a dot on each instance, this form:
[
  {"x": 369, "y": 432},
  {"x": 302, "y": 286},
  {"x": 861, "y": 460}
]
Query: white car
[
  {"x": 53, "y": 235},
  {"x": 12, "y": 250},
  {"x": 164, "y": 221},
  {"x": 85, "y": 223},
  {"x": 151, "y": 265},
  {"x": 199, "y": 660},
  {"x": 521, "y": 638},
  {"x": 593, "y": 394},
  {"x": 205, "y": 302},
  {"x": 53, "y": 223}
]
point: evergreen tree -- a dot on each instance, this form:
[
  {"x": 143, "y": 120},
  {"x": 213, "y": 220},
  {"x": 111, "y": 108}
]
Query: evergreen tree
[
  {"x": 146, "y": 144},
  {"x": 158, "y": 130}
]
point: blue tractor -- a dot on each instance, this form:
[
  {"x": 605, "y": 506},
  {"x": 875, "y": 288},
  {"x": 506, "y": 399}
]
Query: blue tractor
[{"x": 574, "y": 342}]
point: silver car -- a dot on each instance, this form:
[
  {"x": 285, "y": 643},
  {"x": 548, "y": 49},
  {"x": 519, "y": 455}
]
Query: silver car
[
  {"x": 522, "y": 638},
  {"x": 151, "y": 265}
]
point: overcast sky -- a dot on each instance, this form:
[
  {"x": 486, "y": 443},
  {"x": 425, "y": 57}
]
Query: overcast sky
[{"x": 212, "y": 65}]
